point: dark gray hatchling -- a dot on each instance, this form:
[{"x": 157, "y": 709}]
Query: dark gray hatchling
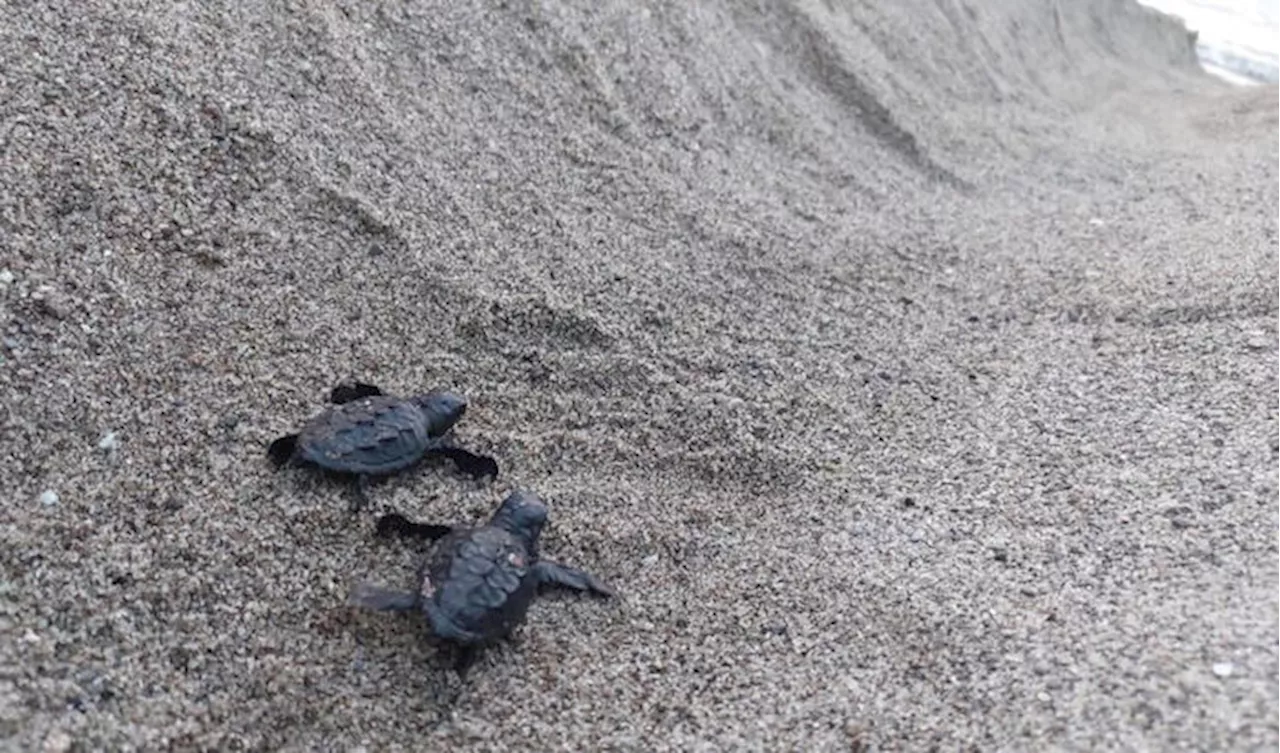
[
  {"x": 476, "y": 586},
  {"x": 366, "y": 433}
]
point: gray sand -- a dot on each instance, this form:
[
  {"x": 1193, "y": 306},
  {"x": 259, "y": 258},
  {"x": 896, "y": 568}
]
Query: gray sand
[{"x": 911, "y": 371}]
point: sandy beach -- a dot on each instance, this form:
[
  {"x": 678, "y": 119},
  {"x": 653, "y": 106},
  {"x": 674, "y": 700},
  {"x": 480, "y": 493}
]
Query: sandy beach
[{"x": 911, "y": 373}]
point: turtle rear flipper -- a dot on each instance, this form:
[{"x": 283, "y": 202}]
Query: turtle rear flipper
[
  {"x": 555, "y": 574},
  {"x": 351, "y": 391},
  {"x": 382, "y": 599},
  {"x": 359, "y": 493},
  {"x": 469, "y": 463},
  {"x": 281, "y": 450},
  {"x": 395, "y": 524},
  {"x": 463, "y": 659}
]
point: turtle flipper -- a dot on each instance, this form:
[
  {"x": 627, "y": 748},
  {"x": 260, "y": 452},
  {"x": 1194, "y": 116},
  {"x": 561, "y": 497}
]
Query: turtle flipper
[
  {"x": 281, "y": 450},
  {"x": 395, "y": 524},
  {"x": 473, "y": 465},
  {"x": 350, "y": 391},
  {"x": 359, "y": 493},
  {"x": 381, "y": 599},
  {"x": 555, "y": 574},
  {"x": 464, "y": 659}
]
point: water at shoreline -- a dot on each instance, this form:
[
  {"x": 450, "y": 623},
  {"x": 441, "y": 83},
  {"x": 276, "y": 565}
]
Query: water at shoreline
[{"x": 1236, "y": 39}]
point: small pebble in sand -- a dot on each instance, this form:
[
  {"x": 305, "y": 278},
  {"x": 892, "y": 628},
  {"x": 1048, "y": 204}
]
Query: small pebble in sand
[
  {"x": 51, "y": 302},
  {"x": 57, "y": 742},
  {"x": 1223, "y": 669},
  {"x": 6, "y": 277},
  {"x": 109, "y": 443},
  {"x": 48, "y": 498}
]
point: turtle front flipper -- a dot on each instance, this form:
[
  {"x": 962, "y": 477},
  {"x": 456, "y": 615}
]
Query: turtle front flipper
[
  {"x": 395, "y": 524},
  {"x": 555, "y": 574},
  {"x": 351, "y": 391},
  {"x": 382, "y": 599},
  {"x": 281, "y": 450},
  {"x": 469, "y": 463}
]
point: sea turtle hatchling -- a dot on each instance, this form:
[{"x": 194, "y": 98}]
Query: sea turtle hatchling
[
  {"x": 478, "y": 583},
  {"x": 367, "y": 433}
]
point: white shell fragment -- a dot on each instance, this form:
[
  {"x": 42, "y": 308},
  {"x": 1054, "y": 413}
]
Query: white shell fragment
[{"x": 109, "y": 443}]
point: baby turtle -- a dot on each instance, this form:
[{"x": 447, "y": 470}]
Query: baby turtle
[
  {"x": 367, "y": 433},
  {"x": 478, "y": 583}
]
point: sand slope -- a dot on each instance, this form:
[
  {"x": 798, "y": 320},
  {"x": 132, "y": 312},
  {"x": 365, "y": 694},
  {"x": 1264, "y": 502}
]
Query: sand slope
[{"x": 912, "y": 372}]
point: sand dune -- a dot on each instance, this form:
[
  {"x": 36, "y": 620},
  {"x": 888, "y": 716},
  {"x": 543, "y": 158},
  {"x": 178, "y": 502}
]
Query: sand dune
[{"x": 911, "y": 372}]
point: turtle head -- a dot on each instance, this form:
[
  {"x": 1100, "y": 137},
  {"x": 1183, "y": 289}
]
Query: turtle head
[
  {"x": 442, "y": 409},
  {"x": 522, "y": 514}
]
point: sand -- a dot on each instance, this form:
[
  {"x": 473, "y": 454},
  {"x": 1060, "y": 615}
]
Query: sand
[{"x": 911, "y": 372}]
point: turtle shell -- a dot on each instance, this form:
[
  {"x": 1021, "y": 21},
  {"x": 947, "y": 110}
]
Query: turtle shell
[
  {"x": 478, "y": 585},
  {"x": 373, "y": 435}
]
